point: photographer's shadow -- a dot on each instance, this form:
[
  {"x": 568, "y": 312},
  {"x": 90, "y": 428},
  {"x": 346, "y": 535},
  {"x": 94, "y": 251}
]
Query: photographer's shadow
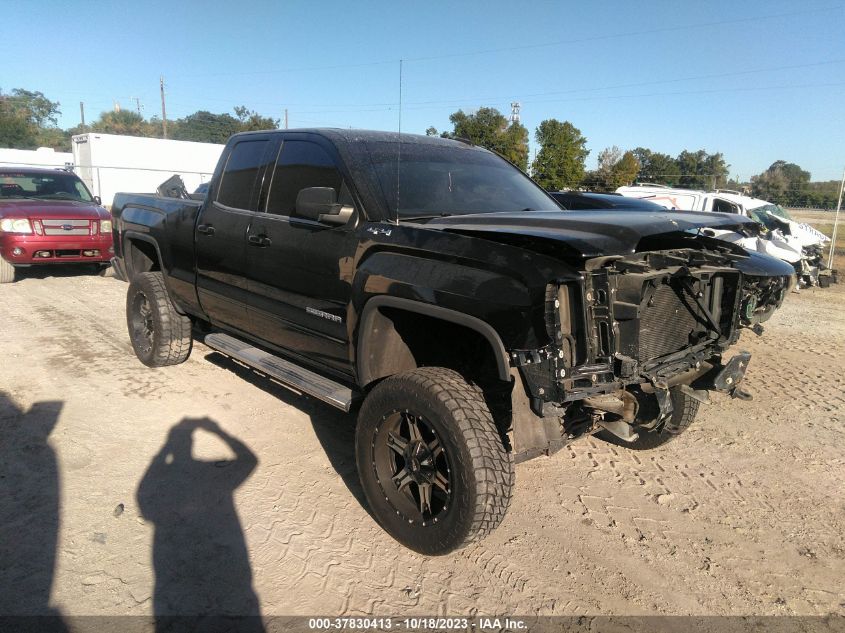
[
  {"x": 200, "y": 557},
  {"x": 29, "y": 513}
]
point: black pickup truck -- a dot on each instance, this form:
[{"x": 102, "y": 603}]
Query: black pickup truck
[{"x": 434, "y": 287}]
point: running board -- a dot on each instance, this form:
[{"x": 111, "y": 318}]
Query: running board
[{"x": 294, "y": 376}]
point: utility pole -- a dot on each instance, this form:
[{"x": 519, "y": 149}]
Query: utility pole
[
  {"x": 515, "y": 106},
  {"x": 286, "y": 118},
  {"x": 137, "y": 101},
  {"x": 163, "y": 109},
  {"x": 82, "y": 114},
  {"x": 836, "y": 224}
]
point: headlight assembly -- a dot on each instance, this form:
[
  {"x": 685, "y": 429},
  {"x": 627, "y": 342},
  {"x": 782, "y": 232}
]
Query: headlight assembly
[
  {"x": 21, "y": 225},
  {"x": 105, "y": 226}
]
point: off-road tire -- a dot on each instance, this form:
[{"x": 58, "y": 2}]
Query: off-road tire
[
  {"x": 160, "y": 335},
  {"x": 7, "y": 272},
  {"x": 481, "y": 470},
  {"x": 684, "y": 410}
]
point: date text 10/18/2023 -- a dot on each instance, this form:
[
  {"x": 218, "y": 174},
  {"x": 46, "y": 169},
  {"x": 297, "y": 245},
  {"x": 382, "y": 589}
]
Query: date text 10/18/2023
[{"x": 416, "y": 624}]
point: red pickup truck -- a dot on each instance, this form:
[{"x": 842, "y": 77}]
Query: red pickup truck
[{"x": 48, "y": 216}]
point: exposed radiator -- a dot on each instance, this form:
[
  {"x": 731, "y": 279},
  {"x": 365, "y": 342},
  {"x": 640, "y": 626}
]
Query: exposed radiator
[{"x": 666, "y": 323}]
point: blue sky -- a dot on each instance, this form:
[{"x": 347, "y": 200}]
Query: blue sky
[{"x": 758, "y": 80}]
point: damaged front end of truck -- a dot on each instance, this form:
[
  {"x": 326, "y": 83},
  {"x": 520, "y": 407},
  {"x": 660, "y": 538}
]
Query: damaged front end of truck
[
  {"x": 626, "y": 334},
  {"x": 637, "y": 338}
]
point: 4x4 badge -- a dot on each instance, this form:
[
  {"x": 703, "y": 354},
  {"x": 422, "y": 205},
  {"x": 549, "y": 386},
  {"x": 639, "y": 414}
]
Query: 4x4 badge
[{"x": 375, "y": 230}]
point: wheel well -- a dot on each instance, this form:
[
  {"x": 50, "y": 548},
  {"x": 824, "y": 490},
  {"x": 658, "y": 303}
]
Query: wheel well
[
  {"x": 399, "y": 340},
  {"x": 141, "y": 257}
]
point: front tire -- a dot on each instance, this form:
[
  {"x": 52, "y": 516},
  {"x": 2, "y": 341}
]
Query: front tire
[
  {"x": 7, "y": 272},
  {"x": 160, "y": 335},
  {"x": 651, "y": 435},
  {"x": 432, "y": 464}
]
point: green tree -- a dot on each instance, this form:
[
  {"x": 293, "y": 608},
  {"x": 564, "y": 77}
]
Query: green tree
[
  {"x": 431, "y": 131},
  {"x": 34, "y": 107},
  {"x": 15, "y": 131},
  {"x": 615, "y": 169},
  {"x": 559, "y": 163},
  {"x": 251, "y": 121},
  {"x": 700, "y": 170},
  {"x": 489, "y": 128},
  {"x": 28, "y": 120},
  {"x": 782, "y": 183},
  {"x": 625, "y": 170},
  {"x": 54, "y": 138},
  {"x": 123, "y": 122},
  {"x": 206, "y": 127},
  {"x": 656, "y": 167}
]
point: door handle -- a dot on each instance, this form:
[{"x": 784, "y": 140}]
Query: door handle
[
  {"x": 259, "y": 240},
  {"x": 205, "y": 229}
]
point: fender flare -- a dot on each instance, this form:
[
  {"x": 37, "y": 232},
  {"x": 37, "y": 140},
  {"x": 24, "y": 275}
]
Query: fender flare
[
  {"x": 130, "y": 236},
  {"x": 384, "y": 301}
]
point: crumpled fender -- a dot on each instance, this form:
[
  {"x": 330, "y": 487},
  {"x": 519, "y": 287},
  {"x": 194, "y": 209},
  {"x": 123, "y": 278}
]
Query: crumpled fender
[{"x": 775, "y": 247}]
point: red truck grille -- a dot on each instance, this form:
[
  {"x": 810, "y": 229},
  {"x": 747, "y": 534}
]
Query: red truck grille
[{"x": 66, "y": 227}]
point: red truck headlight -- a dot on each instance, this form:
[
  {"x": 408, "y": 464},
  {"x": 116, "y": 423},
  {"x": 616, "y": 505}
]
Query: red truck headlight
[
  {"x": 105, "y": 227},
  {"x": 10, "y": 225}
]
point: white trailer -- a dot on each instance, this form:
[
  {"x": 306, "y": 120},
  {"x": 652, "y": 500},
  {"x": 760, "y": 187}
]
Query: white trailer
[
  {"x": 109, "y": 163},
  {"x": 41, "y": 157}
]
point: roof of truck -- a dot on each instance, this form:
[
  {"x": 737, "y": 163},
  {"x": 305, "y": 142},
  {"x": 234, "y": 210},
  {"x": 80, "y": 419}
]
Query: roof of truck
[{"x": 372, "y": 136}]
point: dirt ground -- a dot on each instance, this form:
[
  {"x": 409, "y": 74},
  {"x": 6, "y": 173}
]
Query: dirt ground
[{"x": 204, "y": 484}]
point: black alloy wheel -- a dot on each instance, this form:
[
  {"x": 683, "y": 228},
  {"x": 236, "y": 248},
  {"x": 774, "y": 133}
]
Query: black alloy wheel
[{"x": 412, "y": 467}]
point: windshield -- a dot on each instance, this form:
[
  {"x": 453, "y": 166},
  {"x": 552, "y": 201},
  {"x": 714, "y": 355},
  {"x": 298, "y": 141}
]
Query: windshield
[
  {"x": 50, "y": 186},
  {"x": 763, "y": 214},
  {"x": 779, "y": 211},
  {"x": 440, "y": 180}
]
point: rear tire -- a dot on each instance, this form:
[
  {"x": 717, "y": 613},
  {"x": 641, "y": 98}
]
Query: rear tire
[
  {"x": 684, "y": 410},
  {"x": 160, "y": 335},
  {"x": 432, "y": 464},
  {"x": 7, "y": 272}
]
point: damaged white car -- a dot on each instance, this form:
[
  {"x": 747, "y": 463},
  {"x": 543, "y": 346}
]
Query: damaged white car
[{"x": 798, "y": 244}]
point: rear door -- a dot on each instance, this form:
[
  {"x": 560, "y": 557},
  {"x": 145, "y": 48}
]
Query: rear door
[
  {"x": 300, "y": 269},
  {"x": 220, "y": 232}
]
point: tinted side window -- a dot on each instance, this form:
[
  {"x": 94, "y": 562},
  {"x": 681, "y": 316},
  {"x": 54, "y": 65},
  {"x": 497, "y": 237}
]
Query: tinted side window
[
  {"x": 723, "y": 206},
  {"x": 239, "y": 176},
  {"x": 302, "y": 164}
]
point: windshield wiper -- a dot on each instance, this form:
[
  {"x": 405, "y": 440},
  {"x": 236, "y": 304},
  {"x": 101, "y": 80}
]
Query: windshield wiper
[
  {"x": 425, "y": 217},
  {"x": 61, "y": 197}
]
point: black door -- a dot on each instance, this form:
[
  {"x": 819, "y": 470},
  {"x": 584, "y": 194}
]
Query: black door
[
  {"x": 299, "y": 269},
  {"x": 221, "y": 233}
]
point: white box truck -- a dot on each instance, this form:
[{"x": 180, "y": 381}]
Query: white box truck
[{"x": 109, "y": 163}]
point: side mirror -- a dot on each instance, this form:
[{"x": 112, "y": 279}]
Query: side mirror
[
  {"x": 320, "y": 204},
  {"x": 98, "y": 201}
]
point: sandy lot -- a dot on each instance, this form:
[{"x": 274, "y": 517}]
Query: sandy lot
[{"x": 204, "y": 484}]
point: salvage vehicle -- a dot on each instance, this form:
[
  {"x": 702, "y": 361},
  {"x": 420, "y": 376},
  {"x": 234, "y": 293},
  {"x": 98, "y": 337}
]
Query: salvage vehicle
[
  {"x": 799, "y": 244},
  {"x": 436, "y": 288},
  {"x": 763, "y": 291},
  {"x": 48, "y": 216}
]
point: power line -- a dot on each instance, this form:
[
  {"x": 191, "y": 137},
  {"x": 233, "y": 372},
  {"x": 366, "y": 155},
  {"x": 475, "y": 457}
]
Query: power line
[
  {"x": 553, "y": 92},
  {"x": 524, "y": 47}
]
